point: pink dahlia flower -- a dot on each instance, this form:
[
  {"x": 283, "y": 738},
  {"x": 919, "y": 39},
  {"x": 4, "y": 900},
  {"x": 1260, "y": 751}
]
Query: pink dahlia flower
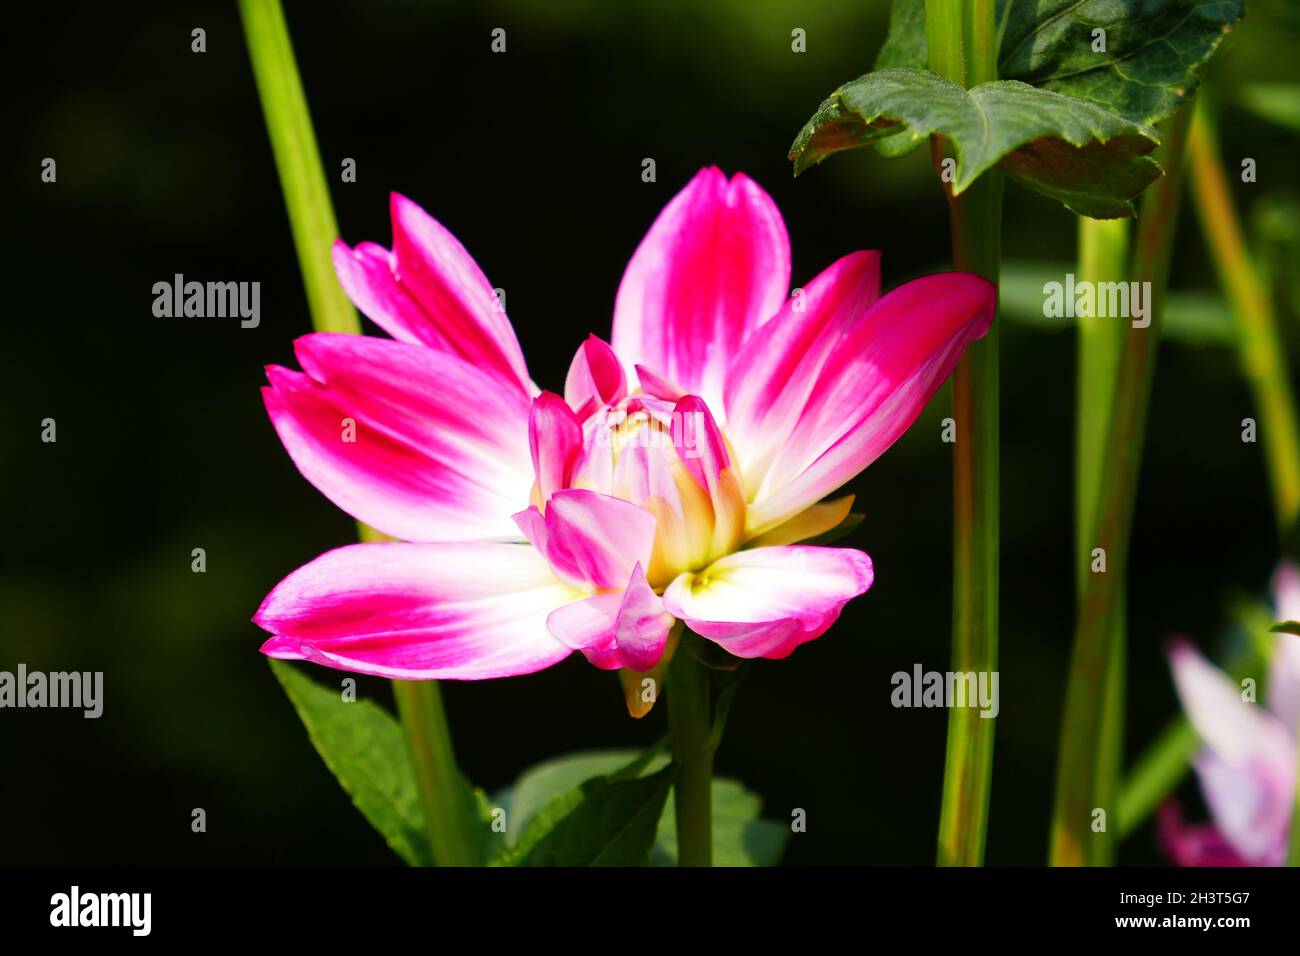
[
  {"x": 1247, "y": 769},
  {"x": 673, "y": 481}
]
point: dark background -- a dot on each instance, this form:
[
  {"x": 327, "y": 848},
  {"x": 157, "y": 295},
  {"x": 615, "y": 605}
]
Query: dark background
[{"x": 533, "y": 160}]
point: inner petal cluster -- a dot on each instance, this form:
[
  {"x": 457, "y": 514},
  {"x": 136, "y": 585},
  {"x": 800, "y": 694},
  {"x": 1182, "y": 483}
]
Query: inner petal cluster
[{"x": 670, "y": 458}]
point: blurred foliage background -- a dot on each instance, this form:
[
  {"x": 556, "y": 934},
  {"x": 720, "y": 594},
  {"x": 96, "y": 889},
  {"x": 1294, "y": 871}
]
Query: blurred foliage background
[{"x": 533, "y": 159}]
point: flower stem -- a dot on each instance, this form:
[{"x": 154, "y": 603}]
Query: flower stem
[
  {"x": 691, "y": 727},
  {"x": 297, "y": 159},
  {"x": 962, "y": 46},
  {"x": 1262, "y": 351},
  {"x": 446, "y": 806},
  {"x": 1103, "y": 257},
  {"x": 1079, "y": 835},
  {"x": 311, "y": 218}
]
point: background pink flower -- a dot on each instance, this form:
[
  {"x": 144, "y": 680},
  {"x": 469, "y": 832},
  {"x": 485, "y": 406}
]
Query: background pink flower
[{"x": 1247, "y": 769}]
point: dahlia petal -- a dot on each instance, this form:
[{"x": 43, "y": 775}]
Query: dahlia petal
[
  {"x": 596, "y": 378},
  {"x": 1251, "y": 805},
  {"x": 416, "y": 443},
  {"x": 642, "y": 628},
  {"x": 1247, "y": 771},
  {"x": 1237, "y": 731},
  {"x": 366, "y": 274},
  {"x": 703, "y": 452},
  {"x": 877, "y": 380},
  {"x": 452, "y": 611},
  {"x": 713, "y": 267},
  {"x": 765, "y": 602},
  {"x": 1193, "y": 845},
  {"x": 589, "y": 626},
  {"x": 555, "y": 440},
  {"x": 441, "y": 276},
  {"x": 809, "y": 523},
  {"x": 656, "y": 386},
  {"x": 591, "y": 539},
  {"x": 770, "y": 378},
  {"x": 616, "y": 629},
  {"x": 1284, "y": 671}
]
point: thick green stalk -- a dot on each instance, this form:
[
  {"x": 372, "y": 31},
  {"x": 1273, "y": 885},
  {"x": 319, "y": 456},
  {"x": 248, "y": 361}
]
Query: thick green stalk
[
  {"x": 447, "y": 801},
  {"x": 1079, "y": 835},
  {"x": 962, "y": 46},
  {"x": 691, "y": 727},
  {"x": 311, "y": 218},
  {"x": 1263, "y": 355},
  {"x": 1103, "y": 257},
  {"x": 297, "y": 159}
]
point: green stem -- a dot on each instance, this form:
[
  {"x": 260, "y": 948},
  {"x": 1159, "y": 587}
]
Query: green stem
[
  {"x": 311, "y": 218},
  {"x": 1261, "y": 348},
  {"x": 691, "y": 727},
  {"x": 419, "y": 703},
  {"x": 297, "y": 159},
  {"x": 1080, "y": 773},
  {"x": 1103, "y": 257},
  {"x": 962, "y": 46}
]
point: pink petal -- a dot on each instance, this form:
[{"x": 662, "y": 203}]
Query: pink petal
[
  {"x": 596, "y": 378},
  {"x": 703, "y": 452},
  {"x": 765, "y": 602},
  {"x": 1193, "y": 845},
  {"x": 555, "y": 439},
  {"x": 464, "y": 611},
  {"x": 616, "y": 629},
  {"x": 1247, "y": 772},
  {"x": 591, "y": 539},
  {"x": 770, "y": 378},
  {"x": 430, "y": 291},
  {"x": 440, "y": 450},
  {"x": 1251, "y": 805},
  {"x": 879, "y": 377},
  {"x": 714, "y": 266},
  {"x": 656, "y": 386},
  {"x": 1284, "y": 671},
  {"x": 366, "y": 274}
]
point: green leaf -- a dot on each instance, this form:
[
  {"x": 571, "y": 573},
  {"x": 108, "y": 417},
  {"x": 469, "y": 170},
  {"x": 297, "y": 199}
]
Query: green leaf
[
  {"x": 1145, "y": 72},
  {"x": 740, "y": 838},
  {"x": 1192, "y": 318},
  {"x": 1279, "y": 103},
  {"x": 1286, "y": 627},
  {"x": 1087, "y": 158},
  {"x": 606, "y": 821},
  {"x": 363, "y": 746}
]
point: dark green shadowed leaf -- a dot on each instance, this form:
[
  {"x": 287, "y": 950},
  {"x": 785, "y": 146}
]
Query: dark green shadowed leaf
[
  {"x": 1089, "y": 159},
  {"x": 606, "y": 821},
  {"x": 1146, "y": 70},
  {"x": 363, "y": 746},
  {"x": 1286, "y": 627},
  {"x": 740, "y": 838}
]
